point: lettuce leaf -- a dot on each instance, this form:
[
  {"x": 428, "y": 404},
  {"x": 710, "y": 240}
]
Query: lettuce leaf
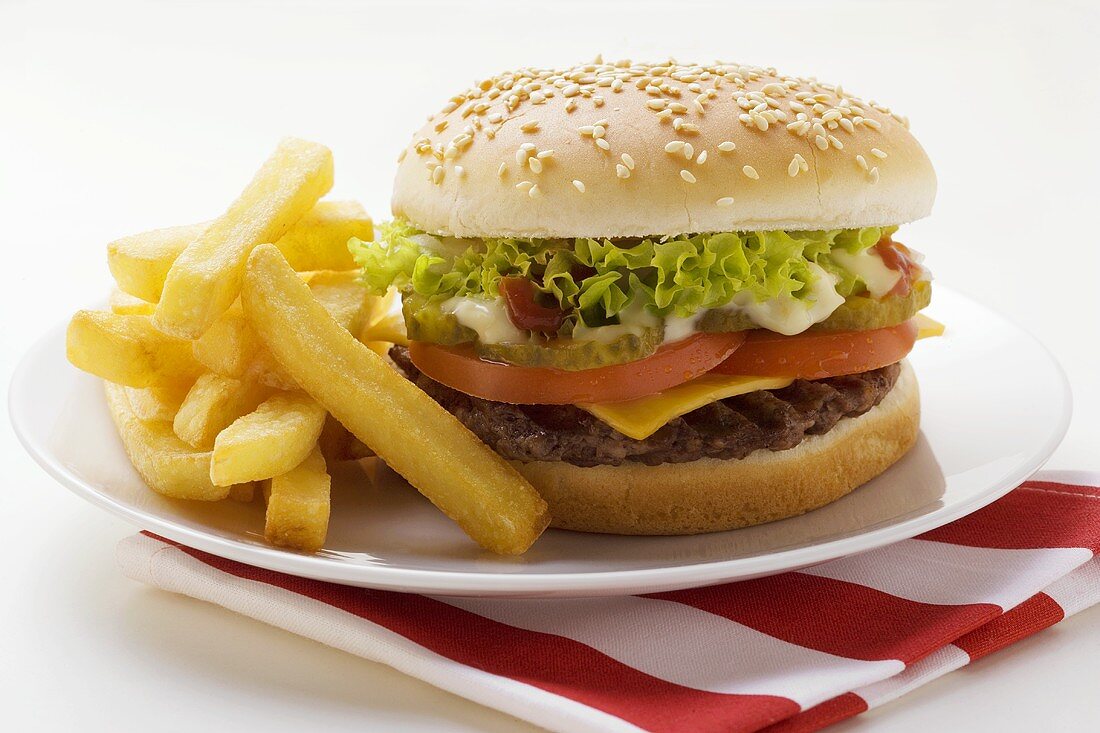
[{"x": 596, "y": 279}]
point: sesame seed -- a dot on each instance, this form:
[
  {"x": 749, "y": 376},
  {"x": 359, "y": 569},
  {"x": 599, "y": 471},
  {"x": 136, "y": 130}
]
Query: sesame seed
[
  {"x": 528, "y": 148},
  {"x": 524, "y": 185},
  {"x": 822, "y": 142},
  {"x": 545, "y": 154},
  {"x": 749, "y": 171},
  {"x": 622, "y": 171},
  {"x": 599, "y": 131},
  {"x": 727, "y": 146},
  {"x": 675, "y": 146},
  {"x": 521, "y": 156},
  {"x": 874, "y": 174},
  {"x": 688, "y": 151},
  {"x": 677, "y": 108},
  {"x": 689, "y": 127},
  {"x": 724, "y": 201},
  {"x": 535, "y": 164},
  {"x": 586, "y": 130},
  {"x": 761, "y": 122},
  {"x": 847, "y": 124},
  {"x": 502, "y": 170},
  {"x": 835, "y": 142},
  {"x": 402, "y": 154},
  {"x": 628, "y": 160},
  {"x": 793, "y": 168},
  {"x": 531, "y": 126},
  {"x": 687, "y": 176},
  {"x": 802, "y": 162},
  {"x": 877, "y": 153},
  {"x": 833, "y": 114},
  {"x": 534, "y": 191},
  {"x": 603, "y": 144},
  {"x": 862, "y": 162},
  {"x": 702, "y": 158},
  {"x": 571, "y": 90},
  {"x": 437, "y": 175},
  {"x": 873, "y": 124},
  {"x": 603, "y": 123},
  {"x": 460, "y": 171},
  {"x": 579, "y": 185}
]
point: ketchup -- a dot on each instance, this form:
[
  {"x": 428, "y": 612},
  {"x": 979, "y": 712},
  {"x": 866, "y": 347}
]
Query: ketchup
[
  {"x": 524, "y": 311},
  {"x": 899, "y": 258}
]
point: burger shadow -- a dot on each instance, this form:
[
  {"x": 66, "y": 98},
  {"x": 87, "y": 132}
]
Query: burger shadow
[{"x": 400, "y": 527}]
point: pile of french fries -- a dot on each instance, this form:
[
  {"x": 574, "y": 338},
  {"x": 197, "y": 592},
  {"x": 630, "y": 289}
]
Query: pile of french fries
[{"x": 242, "y": 356}]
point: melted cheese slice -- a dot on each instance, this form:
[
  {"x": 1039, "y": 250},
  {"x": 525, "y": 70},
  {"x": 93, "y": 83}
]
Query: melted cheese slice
[{"x": 639, "y": 418}]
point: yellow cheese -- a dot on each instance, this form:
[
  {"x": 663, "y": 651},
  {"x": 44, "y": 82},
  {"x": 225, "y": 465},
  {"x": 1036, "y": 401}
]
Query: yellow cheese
[
  {"x": 926, "y": 327},
  {"x": 639, "y": 418}
]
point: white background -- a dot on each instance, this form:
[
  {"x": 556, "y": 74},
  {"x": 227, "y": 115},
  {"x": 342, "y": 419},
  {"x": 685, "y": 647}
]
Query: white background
[{"x": 119, "y": 117}]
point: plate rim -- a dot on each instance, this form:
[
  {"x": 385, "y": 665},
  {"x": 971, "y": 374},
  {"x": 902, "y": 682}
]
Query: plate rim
[{"x": 578, "y": 584}]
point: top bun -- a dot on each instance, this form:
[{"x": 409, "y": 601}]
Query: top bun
[{"x": 628, "y": 149}]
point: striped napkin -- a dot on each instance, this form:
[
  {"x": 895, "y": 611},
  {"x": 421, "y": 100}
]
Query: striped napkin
[{"x": 792, "y": 652}]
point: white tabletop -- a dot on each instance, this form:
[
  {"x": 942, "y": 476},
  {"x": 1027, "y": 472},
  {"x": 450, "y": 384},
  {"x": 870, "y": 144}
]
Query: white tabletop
[{"x": 118, "y": 117}]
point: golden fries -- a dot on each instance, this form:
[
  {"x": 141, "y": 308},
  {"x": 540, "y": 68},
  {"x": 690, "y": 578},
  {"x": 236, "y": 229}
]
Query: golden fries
[
  {"x": 128, "y": 350},
  {"x": 140, "y": 263},
  {"x": 419, "y": 439},
  {"x": 244, "y": 493},
  {"x": 298, "y": 505},
  {"x": 166, "y": 464},
  {"x": 157, "y": 403},
  {"x": 229, "y": 346},
  {"x": 212, "y": 405},
  {"x": 319, "y": 241},
  {"x": 270, "y": 441},
  {"x": 124, "y": 304},
  {"x": 206, "y": 278}
]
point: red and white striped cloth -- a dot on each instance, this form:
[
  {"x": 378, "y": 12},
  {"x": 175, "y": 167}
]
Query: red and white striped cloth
[{"x": 792, "y": 652}]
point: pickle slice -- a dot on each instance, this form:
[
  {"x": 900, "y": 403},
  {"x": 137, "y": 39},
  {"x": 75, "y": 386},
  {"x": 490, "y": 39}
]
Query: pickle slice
[
  {"x": 424, "y": 321},
  {"x": 857, "y": 313},
  {"x": 570, "y": 355}
]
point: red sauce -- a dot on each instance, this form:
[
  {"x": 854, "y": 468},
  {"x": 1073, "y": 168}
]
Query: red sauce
[
  {"x": 899, "y": 258},
  {"x": 524, "y": 310}
]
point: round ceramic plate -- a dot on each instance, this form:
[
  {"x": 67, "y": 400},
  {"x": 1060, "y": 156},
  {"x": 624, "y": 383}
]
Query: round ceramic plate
[{"x": 995, "y": 404}]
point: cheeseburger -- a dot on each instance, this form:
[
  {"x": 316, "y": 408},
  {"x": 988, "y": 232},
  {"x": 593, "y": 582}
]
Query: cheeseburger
[{"x": 669, "y": 294}]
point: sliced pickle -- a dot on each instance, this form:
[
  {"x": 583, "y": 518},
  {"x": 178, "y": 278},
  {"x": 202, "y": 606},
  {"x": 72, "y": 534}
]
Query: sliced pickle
[
  {"x": 858, "y": 313},
  {"x": 570, "y": 355},
  {"x": 424, "y": 321}
]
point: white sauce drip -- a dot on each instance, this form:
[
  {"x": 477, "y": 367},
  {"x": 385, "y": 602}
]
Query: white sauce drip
[
  {"x": 868, "y": 267},
  {"x": 633, "y": 321},
  {"x": 488, "y": 317},
  {"x": 789, "y": 315}
]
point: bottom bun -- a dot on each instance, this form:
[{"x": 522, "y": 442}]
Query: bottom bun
[{"x": 710, "y": 495}]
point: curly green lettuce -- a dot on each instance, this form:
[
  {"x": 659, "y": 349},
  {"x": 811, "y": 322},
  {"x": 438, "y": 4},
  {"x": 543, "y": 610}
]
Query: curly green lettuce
[{"x": 596, "y": 279}]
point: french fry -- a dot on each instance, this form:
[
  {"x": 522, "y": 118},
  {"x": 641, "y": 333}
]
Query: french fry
[
  {"x": 298, "y": 505},
  {"x": 229, "y": 346},
  {"x": 124, "y": 304},
  {"x": 319, "y": 241},
  {"x": 166, "y": 464},
  {"x": 423, "y": 442},
  {"x": 140, "y": 263},
  {"x": 212, "y": 404},
  {"x": 244, "y": 493},
  {"x": 268, "y": 442},
  {"x": 157, "y": 403},
  {"x": 338, "y": 445},
  {"x": 390, "y": 328},
  {"x": 206, "y": 278},
  {"x": 232, "y": 348},
  {"x": 128, "y": 350}
]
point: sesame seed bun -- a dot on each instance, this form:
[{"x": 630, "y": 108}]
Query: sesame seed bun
[
  {"x": 632, "y": 149},
  {"x": 711, "y": 495}
]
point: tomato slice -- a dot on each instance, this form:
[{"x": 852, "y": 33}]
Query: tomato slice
[
  {"x": 820, "y": 355},
  {"x": 460, "y": 368}
]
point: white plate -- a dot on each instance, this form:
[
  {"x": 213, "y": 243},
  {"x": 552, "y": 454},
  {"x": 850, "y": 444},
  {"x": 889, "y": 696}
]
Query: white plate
[{"x": 995, "y": 405}]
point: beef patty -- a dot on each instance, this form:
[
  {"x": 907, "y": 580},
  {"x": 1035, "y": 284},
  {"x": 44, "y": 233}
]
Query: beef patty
[{"x": 731, "y": 428}]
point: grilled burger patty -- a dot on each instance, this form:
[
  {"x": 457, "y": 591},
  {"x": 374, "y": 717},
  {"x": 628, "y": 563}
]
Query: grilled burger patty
[{"x": 730, "y": 428}]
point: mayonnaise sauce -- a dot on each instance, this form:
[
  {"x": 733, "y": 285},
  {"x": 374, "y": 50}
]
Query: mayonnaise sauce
[
  {"x": 868, "y": 267},
  {"x": 488, "y": 317}
]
